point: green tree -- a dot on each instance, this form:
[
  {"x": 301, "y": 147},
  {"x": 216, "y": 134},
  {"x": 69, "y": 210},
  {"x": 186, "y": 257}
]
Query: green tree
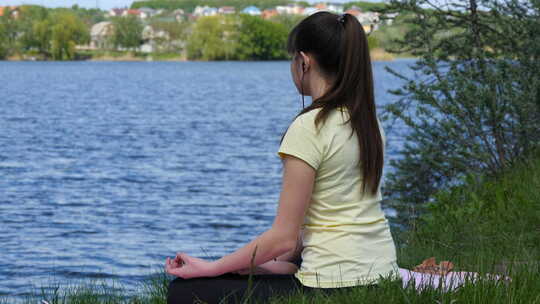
[
  {"x": 288, "y": 20},
  {"x": 127, "y": 32},
  {"x": 3, "y": 42},
  {"x": 89, "y": 16},
  {"x": 213, "y": 38},
  {"x": 35, "y": 30},
  {"x": 41, "y": 36},
  {"x": 365, "y": 5},
  {"x": 9, "y": 28},
  {"x": 176, "y": 32},
  {"x": 474, "y": 104},
  {"x": 66, "y": 32},
  {"x": 259, "y": 39},
  {"x": 189, "y": 5},
  {"x": 373, "y": 42}
]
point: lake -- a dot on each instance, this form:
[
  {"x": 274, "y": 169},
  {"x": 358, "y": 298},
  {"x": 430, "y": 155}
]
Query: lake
[{"x": 107, "y": 168}]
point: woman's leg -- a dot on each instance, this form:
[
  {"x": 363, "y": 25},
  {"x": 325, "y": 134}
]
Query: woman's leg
[{"x": 230, "y": 288}]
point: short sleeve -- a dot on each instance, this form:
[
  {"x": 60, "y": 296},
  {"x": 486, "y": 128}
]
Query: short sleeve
[{"x": 303, "y": 141}]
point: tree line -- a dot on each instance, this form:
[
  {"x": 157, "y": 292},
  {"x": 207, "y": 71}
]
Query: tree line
[
  {"x": 53, "y": 33},
  {"x": 189, "y": 5},
  {"x": 56, "y": 33}
]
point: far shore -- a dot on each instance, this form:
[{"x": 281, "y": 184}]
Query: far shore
[{"x": 377, "y": 54}]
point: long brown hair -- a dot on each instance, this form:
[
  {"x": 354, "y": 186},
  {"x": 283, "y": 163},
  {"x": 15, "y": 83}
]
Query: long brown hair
[{"x": 339, "y": 45}]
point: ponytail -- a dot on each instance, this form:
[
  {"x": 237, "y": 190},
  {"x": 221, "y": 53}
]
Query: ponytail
[{"x": 340, "y": 47}]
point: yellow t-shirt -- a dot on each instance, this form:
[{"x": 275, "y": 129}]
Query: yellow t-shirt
[{"x": 347, "y": 240}]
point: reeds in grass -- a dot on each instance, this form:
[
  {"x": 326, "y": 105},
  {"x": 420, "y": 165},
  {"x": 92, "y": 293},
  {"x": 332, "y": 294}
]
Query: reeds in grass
[{"x": 488, "y": 226}]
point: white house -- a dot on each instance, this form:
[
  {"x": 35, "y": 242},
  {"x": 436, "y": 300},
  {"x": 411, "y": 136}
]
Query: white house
[
  {"x": 152, "y": 39},
  {"x": 100, "y": 34},
  {"x": 146, "y": 12},
  {"x": 252, "y": 10},
  {"x": 116, "y": 12},
  {"x": 368, "y": 18},
  {"x": 335, "y": 7},
  {"x": 291, "y": 9},
  {"x": 310, "y": 10},
  {"x": 205, "y": 11},
  {"x": 227, "y": 10},
  {"x": 391, "y": 17},
  {"x": 178, "y": 14}
]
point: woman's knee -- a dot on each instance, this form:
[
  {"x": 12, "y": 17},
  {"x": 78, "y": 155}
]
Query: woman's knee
[{"x": 179, "y": 291}]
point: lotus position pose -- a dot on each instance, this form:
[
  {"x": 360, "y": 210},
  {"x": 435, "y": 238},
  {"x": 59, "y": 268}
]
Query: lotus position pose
[{"x": 329, "y": 214}]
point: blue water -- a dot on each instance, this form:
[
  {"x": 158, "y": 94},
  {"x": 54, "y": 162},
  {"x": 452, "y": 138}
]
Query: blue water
[{"x": 108, "y": 168}]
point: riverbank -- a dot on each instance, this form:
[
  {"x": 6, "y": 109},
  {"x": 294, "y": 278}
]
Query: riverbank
[
  {"x": 377, "y": 54},
  {"x": 488, "y": 225}
]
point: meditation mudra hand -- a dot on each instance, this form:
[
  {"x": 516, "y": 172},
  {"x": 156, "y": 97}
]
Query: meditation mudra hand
[{"x": 187, "y": 267}]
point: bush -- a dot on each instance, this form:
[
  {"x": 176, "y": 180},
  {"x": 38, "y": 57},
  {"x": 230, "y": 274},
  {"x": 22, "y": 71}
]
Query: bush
[
  {"x": 485, "y": 222},
  {"x": 474, "y": 104}
]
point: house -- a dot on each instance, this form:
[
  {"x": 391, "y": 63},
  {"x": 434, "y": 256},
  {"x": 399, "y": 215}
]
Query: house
[
  {"x": 269, "y": 13},
  {"x": 116, "y": 12},
  {"x": 389, "y": 18},
  {"x": 368, "y": 20},
  {"x": 132, "y": 12},
  {"x": 364, "y": 17},
  {"x": 321, "y": 6},
  {"x": 100, "y": 35},
  {"x": 13, "y": 11},
  {"x": 252, "y": 10},
  {"x": 226, "y": 10},
  {"x": 204, "y": 11},
  {"x": 355, "y": 11},
  {"x": 335, "y": 7},
  {"x": 291, "y": 9},
  {"x": 149, "y": 33},
  {"x": 146, "y": 12},
  {"x": 310, "y": 10},
  {"x": 153, "y": 39},
  {"x": 179, "y": 14}
]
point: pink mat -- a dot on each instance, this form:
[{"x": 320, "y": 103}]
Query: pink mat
[{"x": 450, "y": 281}]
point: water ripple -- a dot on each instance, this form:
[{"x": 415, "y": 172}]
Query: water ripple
[{"x": 107, "y": 168}]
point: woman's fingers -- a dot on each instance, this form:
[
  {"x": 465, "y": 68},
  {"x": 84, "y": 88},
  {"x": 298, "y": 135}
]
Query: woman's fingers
[
  {"x": 171, "y": 266},
  {"x": 168, "y": 265},
  {"x": 181, "y": 258}
]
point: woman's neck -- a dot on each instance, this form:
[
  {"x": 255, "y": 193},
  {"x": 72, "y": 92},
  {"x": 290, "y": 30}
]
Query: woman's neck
[{"x": 318, "y": 86}]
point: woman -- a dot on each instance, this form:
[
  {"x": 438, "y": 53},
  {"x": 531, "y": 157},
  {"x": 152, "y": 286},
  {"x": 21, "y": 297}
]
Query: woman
[{"x": 333, "y": 160}]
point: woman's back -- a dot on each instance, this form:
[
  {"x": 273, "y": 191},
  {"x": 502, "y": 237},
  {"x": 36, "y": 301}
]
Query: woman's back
[{"x": 347, "y": 240}]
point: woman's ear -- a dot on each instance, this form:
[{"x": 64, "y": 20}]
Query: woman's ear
[{"x": 306, "y": 61}]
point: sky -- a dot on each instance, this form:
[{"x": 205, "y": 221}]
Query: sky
[{"x": 103, "y": 4}]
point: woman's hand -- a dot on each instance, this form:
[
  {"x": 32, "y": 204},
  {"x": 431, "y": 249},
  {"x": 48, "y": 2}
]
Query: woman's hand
[{"x": 188, "y": 267}]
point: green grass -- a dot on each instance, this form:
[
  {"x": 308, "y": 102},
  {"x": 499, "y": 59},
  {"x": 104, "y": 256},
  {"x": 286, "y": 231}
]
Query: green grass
[{"x": 488, "y": 225}]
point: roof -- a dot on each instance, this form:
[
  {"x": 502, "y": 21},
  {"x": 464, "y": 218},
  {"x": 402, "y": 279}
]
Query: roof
[
  {"x": 353, "y": 11},
  {"x": 100, "y": 29},
  {"x": 133, "y": 12},
  {"x": 6, "y": 8},
  {"x": 118, "y": 11}
]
